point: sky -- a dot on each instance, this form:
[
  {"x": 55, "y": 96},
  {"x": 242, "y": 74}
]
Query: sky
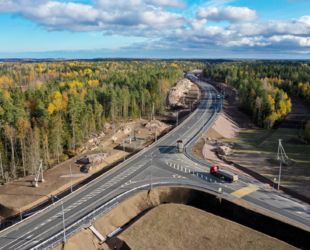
[{"x": 263, "y": 29}]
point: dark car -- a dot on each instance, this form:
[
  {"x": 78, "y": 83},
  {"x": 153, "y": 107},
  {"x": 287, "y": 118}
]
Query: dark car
[{"x": 85, "y": 169}]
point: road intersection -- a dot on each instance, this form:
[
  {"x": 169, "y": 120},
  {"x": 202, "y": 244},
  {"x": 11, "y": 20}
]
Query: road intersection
[{"x": 154, "y": 166}]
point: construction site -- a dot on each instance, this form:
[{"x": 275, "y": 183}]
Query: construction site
[{"x": 20, "y": 198}]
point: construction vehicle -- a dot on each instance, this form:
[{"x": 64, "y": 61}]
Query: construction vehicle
[
  {"x": 180, "y": 146},
  {"x": 223, "y": 174}
]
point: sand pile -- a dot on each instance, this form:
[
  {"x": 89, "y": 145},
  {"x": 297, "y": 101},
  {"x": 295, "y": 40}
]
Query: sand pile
[
  {"x": 225, "y": 126},
  {"x": 178, "y": 92},
  {"x": 155, "y": 124}
]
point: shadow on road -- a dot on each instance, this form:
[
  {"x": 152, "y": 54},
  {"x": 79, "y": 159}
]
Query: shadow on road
[{"x": 167, "y": 149}]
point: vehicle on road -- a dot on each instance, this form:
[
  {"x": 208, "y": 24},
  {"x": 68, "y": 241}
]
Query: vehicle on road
[
  {"x": 223, "y": 174},
  {"x": 180, "y": 146}
]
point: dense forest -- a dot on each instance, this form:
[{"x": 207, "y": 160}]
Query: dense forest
[
  {"x": 264, "y": 87},
  {"x": 50, "y": 108}
]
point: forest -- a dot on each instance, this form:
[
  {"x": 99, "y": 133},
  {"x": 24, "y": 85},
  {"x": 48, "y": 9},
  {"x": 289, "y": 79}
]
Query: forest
[
  {"x": 264, "y": 87},
  {"x": 49, "y": 109}
]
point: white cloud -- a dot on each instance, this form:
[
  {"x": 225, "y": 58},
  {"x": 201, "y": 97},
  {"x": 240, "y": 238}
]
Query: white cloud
[
  {"x": 291, "y": 40},
  {"x": 279, "y": 36},
  {"x": 198, "y": 24},
  {"x": 229, "y": 13},
  {"x": 153, "y": 19},
  {"x": 305, "y": 20},
  {"x": 269, "y": 28},
  {"x": 108, "y": 16}
]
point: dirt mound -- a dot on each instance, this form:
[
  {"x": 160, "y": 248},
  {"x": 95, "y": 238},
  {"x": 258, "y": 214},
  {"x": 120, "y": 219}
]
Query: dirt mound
[
  {"x": 169, "y": 226},
  {"x": 225, "y": 126},
  {"x": 155, "y": 124},
  {"x": 177, "y": 93},
  {"x": 176, "y": 226}
]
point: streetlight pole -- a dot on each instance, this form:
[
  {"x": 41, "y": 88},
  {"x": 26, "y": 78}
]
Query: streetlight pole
[
  {"x": 155, "y": 134},
  {"x": 151, "y": 184},
  {"x": 70, "y": 178},
  {"x": 279, "y": 178},
  {"x": 63, "y": 220},
  {"x": 124, "y": 149}
]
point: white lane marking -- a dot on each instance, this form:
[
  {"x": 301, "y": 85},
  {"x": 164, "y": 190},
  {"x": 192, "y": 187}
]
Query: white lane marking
[
  {"x": 23, "y": 236},
  {"x": 85, "y": 198}
]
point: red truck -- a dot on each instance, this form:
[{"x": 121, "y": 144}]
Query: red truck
[{"x": 222, "y": 174}]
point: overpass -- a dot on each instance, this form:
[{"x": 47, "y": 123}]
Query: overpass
[{"x": 156, "y": 165}]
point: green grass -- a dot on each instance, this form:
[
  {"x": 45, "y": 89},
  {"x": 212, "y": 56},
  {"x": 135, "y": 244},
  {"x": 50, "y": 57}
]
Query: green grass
[{"x": 267, "y": 141}]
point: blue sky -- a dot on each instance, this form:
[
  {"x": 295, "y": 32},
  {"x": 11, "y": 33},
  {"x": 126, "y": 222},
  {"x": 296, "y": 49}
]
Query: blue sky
[{"x": 155, "y": 28}]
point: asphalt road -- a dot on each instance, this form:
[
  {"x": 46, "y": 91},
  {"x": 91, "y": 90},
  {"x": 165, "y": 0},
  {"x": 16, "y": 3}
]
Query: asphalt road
[{"x": 157, "y": 165}]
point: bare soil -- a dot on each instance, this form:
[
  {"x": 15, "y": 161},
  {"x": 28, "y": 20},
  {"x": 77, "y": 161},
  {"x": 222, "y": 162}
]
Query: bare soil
[
  {"x": 20, "y": 195},
  {"x": 176, "y": 226},
  {"x": 121, "y": 214},
  {"x": 183, "y": 95},
  {"x": 168, "y": 227}
]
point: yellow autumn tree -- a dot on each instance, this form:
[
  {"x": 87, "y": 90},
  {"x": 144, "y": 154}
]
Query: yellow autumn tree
[
  {"x": 271, "y": 119},
  {"x": 271, "y": 102},
  {"x": 93, "y": 83},
  {"x": 5, "y": 81},
  {"x": 57, "y": 103}
]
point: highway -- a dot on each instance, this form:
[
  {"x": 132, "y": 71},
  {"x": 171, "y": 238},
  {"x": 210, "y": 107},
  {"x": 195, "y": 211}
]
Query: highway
[{"x": 156, "y": 165}]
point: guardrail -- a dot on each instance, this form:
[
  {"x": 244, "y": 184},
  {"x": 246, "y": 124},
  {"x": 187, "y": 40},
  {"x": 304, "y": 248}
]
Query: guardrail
[
  {"x": 78, "y": 224},
  {"x": 72, "y": 229},
  {"x": 105, "y": 174},
  {"x": 111, "y": 171},
  {"x": 189, "y": 145}
]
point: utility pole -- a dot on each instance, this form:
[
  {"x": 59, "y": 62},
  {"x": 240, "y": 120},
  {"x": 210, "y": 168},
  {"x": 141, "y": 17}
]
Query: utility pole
[
  {"x": 63, "y": 220},
  {"x": 124, "y": 149},
  {"x": 153, "y": 111},
  {"x": 39, "y": 174},
  {"x": 282, "y": 157},
  {"x": 155, "y": 134},
  {"x": 177, "y": 118}
]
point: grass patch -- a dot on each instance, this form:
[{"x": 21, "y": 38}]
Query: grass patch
[
  {"x": 257, "y": 149},
  {"x": 267, "y": 141}
]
